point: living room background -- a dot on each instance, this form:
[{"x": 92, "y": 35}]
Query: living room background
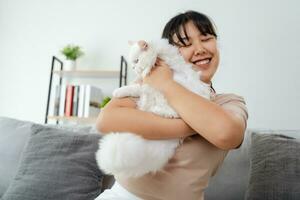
[{"x": 258, "y": 44}]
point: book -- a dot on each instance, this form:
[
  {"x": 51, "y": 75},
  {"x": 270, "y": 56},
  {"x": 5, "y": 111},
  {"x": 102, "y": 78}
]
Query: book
[
  {"x": 62, "y": 100},
  {"x": 56, "y": 100},
  {"x": 69, "y": 100},
  {"x": 93, "y": 96},
  {"x": 81, "y": 94},
  {"x": 75, "y": 101}
]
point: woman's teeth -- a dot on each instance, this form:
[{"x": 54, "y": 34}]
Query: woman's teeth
[{"x": 202, "y": 62}]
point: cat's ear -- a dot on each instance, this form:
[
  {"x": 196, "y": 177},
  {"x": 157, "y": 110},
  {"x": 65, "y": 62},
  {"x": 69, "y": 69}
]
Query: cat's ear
[{"x": 130, "y": 42}]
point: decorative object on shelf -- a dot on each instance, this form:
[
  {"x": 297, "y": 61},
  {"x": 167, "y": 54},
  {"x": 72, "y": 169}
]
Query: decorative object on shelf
[
  {"x": 72, "y": 52},
  {"x": 105, "y": 101}
]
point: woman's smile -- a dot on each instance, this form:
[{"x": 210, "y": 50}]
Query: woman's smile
[{"x": 202, "y": 64}]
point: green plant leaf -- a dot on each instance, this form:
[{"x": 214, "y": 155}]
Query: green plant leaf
[
  {"x": 105, "y": 101},
  {"x": 72, "y": 52}
]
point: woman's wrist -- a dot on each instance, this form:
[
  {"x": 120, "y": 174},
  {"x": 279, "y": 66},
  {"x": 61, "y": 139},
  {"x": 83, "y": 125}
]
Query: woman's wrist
[
  {"x": 172, "y": 90},
  {"x": 166, "y": 88},
  {"x": 184, "y": 129}
]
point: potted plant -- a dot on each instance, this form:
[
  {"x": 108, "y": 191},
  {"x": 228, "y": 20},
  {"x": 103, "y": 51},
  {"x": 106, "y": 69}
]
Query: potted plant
[
  {"x": 72, "y": 52},
  {"x": 105, "y": 101}
]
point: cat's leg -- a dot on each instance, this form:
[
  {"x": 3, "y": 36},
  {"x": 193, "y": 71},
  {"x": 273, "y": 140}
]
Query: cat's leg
[{"x": 128, "y": 91}]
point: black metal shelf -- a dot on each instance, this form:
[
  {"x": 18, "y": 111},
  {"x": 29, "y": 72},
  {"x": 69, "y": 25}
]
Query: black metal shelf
[{"x": 85, "y": 74}]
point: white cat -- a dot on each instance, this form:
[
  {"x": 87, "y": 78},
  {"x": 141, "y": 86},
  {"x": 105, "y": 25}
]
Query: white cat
[{"x": 128, "y": 154}]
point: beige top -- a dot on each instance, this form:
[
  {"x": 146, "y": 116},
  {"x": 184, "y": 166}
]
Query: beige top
[{"x": 196, "y": 160}]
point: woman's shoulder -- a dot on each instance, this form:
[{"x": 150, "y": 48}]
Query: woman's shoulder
[
  {"x": 223, "y": 98},
  {"x": 234, "y": 103}
]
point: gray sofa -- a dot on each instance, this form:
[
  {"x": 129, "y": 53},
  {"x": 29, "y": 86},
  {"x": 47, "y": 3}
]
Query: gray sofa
[{"x": 238, "y": 178}]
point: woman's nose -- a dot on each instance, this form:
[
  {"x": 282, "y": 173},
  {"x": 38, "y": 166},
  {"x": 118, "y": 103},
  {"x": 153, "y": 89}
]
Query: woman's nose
[
  {"x": 199, "y": 52},
  {"x": 199, "y": 49}
]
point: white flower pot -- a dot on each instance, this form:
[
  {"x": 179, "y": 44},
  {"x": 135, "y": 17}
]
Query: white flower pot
[{"x": 69, "y": 65}]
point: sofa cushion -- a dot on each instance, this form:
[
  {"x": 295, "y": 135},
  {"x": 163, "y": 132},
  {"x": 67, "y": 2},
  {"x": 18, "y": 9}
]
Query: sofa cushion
[
  {"x": 57, "y": 164},
  {"x": 275, "y": 167},
  {"x": 230, "y": 181},
  {"x": 13, "y": 136}
]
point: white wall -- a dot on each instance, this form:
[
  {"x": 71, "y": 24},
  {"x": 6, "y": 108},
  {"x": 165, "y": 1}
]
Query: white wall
[{"x": 259, "y": 43}]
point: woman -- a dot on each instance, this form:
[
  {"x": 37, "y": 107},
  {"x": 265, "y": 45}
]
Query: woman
[{"x": 209, "y": 128}]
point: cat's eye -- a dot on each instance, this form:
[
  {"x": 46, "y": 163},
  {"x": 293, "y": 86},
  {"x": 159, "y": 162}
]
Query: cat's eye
[{"x": 136, "y": 61}]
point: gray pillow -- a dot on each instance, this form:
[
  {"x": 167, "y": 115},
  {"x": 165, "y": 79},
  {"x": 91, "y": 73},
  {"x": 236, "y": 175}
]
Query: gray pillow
[
  {"x": 57, "y": 164},
  {"x": 14, "y": 134},
  {"x": 275, "y": 168}
]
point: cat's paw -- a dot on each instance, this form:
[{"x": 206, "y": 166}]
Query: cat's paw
[
  {"x": 127, "y": 91},
  {"x": 120, "y": 92},
  {"x": 146, "y": 71}
]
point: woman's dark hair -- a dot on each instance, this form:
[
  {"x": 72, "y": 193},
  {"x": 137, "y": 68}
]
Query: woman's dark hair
[{"x": 201, "y": 21}]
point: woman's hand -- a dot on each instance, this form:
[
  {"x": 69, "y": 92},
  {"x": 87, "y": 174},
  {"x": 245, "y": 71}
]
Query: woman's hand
[
  {"x": 121, "y": 115},
  {"x": 160, "y": 76}
]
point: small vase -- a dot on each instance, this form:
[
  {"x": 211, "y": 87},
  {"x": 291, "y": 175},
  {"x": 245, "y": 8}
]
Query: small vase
[{"x": 69, "y": 65}]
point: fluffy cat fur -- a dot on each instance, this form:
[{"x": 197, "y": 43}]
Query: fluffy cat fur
[{"x": 128, "y": 154}]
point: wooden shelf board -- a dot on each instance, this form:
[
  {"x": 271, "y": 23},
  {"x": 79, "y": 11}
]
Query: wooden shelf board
[{"x": 89, "y": 73}]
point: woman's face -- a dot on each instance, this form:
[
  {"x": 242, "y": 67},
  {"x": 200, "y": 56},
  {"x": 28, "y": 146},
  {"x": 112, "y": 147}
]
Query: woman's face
[{"x": 200, "y": 50}]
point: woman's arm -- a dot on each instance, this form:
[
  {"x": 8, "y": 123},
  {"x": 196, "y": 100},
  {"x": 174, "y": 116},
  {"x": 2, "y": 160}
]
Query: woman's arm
[
  {"x": 220, "y": 127},
  {"x": 121, "y": 115}
]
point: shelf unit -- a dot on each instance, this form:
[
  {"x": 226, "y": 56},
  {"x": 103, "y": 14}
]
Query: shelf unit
[{"x": 88, "y": 73}]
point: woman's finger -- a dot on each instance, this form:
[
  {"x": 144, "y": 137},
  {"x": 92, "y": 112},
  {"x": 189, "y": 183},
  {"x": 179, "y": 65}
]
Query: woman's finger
[{"x": 157, "y": 62}]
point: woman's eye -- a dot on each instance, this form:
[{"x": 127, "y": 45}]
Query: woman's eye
[
  {"x": 206, "y": 39},
  {"x": 185, "y": 45}
]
